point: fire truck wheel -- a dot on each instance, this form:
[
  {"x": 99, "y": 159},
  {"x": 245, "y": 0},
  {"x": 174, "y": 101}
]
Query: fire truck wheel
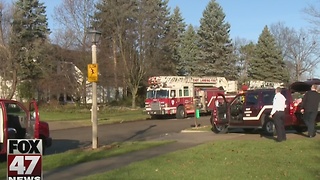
[
  {"x": 268, "y": 127},
  {"x": 180, "y": 113},
  {"x": 220, "y": 129}
]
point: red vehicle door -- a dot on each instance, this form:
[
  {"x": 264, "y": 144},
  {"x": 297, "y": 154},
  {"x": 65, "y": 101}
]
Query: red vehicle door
[
  {"x": 220, "y": 113},
  {"x": 17, "y": 122},
  {"x": 237, "y": 109},
  {"x": 3, "y": 130},
  {"x": 34, "y": 121},
  {"x": 252, "y": 111}
]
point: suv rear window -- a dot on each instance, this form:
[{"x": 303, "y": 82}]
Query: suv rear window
[{"x": 267, "y": 97}]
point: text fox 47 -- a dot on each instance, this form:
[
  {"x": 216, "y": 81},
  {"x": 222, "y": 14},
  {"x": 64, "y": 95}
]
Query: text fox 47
[{"x": 24, "y": 159}]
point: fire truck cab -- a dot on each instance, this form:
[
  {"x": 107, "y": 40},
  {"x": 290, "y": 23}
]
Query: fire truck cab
[{"x": 182, "y": 95}]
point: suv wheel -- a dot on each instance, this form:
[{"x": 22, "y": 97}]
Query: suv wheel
[
  {"x": 268, "y": 127},
  {"x": 220, "y": 129}
]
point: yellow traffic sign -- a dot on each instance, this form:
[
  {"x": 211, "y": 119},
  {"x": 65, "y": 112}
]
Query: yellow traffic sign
[{"x": 92, "y": 72}]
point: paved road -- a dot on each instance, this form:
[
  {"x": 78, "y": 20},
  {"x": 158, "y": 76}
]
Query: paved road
[
  {"x": 76, "y": 137},
  {"x": 66, "y": 139}
]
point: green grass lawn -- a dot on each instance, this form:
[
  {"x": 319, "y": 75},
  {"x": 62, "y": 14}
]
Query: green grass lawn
[
  {"x": 103, "y": 116},
  {"x": 246, "y": 159},
  {"x": 77, "y": 156},
  {"x": 223, "y": 160}
]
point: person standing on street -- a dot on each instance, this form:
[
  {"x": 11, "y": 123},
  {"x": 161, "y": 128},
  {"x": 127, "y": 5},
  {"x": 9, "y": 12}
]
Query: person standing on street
[
  {"x": 309, "y": 109},
  {"x": 277, "y": 113}
]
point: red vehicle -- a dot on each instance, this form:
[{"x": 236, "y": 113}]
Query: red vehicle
[
  {"x": 182, "y": 95},
  {"x": 250, "y": 110},
  {"x": 18, "y": 122}
]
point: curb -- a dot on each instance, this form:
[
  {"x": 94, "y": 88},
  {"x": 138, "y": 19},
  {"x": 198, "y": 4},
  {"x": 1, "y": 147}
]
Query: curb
[{"x": 191, "y": 131}]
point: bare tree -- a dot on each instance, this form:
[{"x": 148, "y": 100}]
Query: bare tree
[
  {"x": 75, "y": 18},
  {"x": 8, "y": 73},
  {"x": 114, "y": 19},
  {"x": 313, "y": 16},
  {"x": 242, "y": 55},
  {"x": 281, "y": 33},
  {"x": 299, "y": 48},
  {"x": 136, "y": 35}
]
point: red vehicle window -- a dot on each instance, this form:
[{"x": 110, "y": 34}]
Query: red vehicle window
[{"x": 252, "y": 99}]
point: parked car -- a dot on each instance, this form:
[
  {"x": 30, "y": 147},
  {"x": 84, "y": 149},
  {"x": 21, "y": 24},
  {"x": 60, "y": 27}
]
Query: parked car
[{"x": 251, "y": 110}]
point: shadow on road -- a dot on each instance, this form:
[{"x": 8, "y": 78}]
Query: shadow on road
[
  {"x": 58, "y": 146},
  {"x": 63, "y": 145},
  {"x": 139, "y": 133}
]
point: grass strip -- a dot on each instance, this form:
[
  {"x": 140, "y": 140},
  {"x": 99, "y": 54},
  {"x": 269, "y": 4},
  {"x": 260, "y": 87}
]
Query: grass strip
[
  {"x": 83, "y": 116},
  {"x": 77, "y": 156},
  {"x": 228, "y": 160}
]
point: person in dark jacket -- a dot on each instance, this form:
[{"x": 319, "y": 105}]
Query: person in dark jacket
[{"x": 309, "y": 109}]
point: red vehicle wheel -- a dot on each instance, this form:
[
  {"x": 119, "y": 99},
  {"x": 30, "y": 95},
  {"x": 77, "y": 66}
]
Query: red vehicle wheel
[{"x": 220, "y": 129}]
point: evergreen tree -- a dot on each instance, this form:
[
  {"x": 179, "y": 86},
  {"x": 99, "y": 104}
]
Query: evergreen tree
[
  {"x": 177, "y": 28},
  {"x": 160, "y": 34},
  {"x": 29, "y": 34},
  {"x": 268, "y": 65},
  {"x": 189, "y": 52},
  {"x": 216, "y": 51}
]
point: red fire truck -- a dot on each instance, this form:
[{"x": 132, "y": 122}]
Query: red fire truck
[{"x": 182, "y": 95}]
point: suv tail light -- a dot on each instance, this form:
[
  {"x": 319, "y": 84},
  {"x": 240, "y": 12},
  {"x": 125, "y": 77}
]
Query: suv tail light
[{"x": 292, "y": 108}]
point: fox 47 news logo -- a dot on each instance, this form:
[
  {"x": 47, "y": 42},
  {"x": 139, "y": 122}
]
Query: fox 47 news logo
[{"x": 24, "y": 157}]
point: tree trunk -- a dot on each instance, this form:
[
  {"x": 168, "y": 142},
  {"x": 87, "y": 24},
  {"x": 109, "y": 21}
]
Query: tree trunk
[
  {"x": 84, "y": 92},
  {"x": 134, "y": 96},
  {"x": 298, "y": 72},
  {"x": 125, "y": 89},
  {"x": 115, "y": 70},
  {"x": 14, "y": 84}
]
